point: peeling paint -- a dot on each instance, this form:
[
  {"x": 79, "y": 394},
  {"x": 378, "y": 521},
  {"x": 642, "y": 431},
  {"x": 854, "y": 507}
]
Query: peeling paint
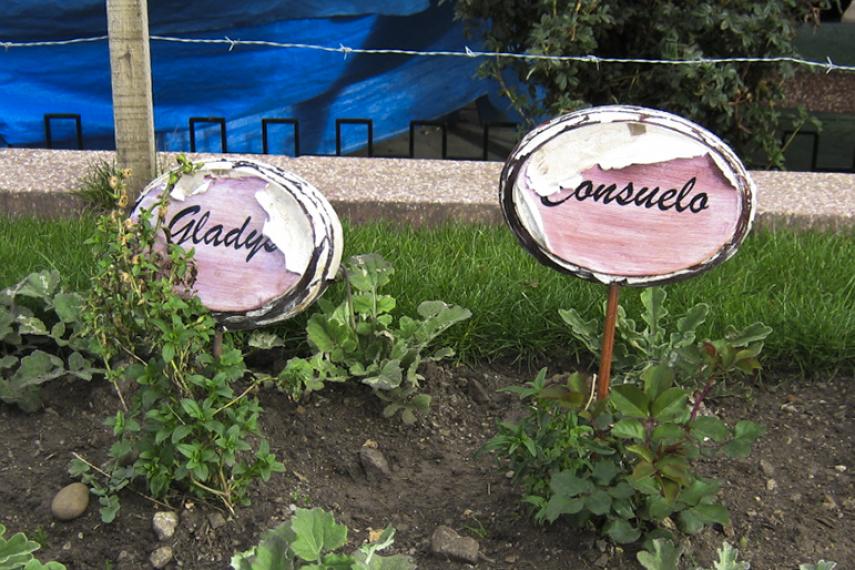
[
  {"x": 557, "y": 156},
  {"x": 304, "y": 237}
]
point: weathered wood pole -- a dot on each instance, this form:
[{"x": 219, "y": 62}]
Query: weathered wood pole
[
  {"x": 130, "y": 67},
  {"x": 608, "y": 346}
]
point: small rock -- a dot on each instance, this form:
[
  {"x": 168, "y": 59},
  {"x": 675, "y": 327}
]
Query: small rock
[
  {"x": 767, "y": 468},
  {"x": 603, "y": 561},
  {"x": 70, "y": 502},
  {"x": 796, "y": 497},
  {"x": 216, "y": 520},
  {"x": 477, "y": 392},
  {"x": 164, "y": 524},
  {"x": 511, "y": 558},
  {"x": 161, "y": 557},
  {"x": 840, "y": 468},
  {"x": 509, "y": 475},
  {"x": 66, "y": 546},
  {"x": 771, "y": 485},
  {"x": 375, "y": 464},
  {"x": 829, "y": 503},
  {"x": 446, "y": 542}
]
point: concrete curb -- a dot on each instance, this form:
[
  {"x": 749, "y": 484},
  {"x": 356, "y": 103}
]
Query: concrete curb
[{"x": 39, "y": 183}]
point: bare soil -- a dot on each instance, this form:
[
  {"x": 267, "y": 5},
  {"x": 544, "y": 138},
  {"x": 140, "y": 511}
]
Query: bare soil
[{"x": 798, "y": 506}]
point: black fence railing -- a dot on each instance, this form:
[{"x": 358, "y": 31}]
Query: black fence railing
[
  {"x": 487, "y": 137},
  {"x": 49, "y": 118}
]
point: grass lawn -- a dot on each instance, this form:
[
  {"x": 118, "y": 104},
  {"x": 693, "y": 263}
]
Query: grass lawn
[{"x": 802, "y": 285}]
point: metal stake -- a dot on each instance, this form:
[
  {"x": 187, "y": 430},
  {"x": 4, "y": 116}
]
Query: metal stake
[
  {"x": 218, "y": 343},
  {"x": 608, "y": 343}
]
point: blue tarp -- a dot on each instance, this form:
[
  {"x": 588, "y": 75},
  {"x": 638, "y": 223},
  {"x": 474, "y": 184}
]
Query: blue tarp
[{"x": 245, "y": 84}]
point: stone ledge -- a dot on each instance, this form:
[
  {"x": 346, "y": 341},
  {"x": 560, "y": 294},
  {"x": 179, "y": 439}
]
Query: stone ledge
[{"x": 39, "y": 183}]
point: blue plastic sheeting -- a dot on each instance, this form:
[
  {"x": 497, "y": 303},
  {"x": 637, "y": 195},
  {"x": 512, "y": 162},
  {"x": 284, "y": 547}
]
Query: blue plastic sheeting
[{"x": 243, "y": 85}]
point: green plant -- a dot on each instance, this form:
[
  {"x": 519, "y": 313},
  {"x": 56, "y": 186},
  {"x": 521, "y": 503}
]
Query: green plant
[
  {"x": 741, "y": 101},
  {"x": 16, "y": 553},
  {"x": 622, "y": 465},
  {"x": 39, "y": 339},
  {"x": 638, "y": 346},
  {"x": 185, "y": 424},
  {"x": 309, "y": 541},
  {"x": 663, "y": 555},
  {"x": 95, "y": 188},
  {"x": 358, "y": 338}
]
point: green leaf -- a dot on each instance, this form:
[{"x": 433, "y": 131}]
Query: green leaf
[
  {"x": 745, "y": 434},
  {"x": 109, "y": 508},
  {"x": 641, "y": 451},
  {"x": 699, "y": 490},
  {"x": 711, "y": 427},
  {"x": 656, "y": 380},
  {"x": 629, "y": 428},
  {"x": 7, "y": 362},
  {"x": 31, "y": 325},
  {"x": 566, "y": 484},
  {"x": 728, "y": 559},
  {"x": 389, "y": 378},
  {"x": 604, "y": 471},
  {"x": 15, "y": 551},
  {"x": 622, "y": 532},
  {"x": 39, "y": 285},
  {"x": 752, "y": 333},
  {"x": 653, "y": 300},
  {"x": 67, "y": 306},
  {"x": 821, "y": 565},
  {"x": 561, "y": 505},
  {"x": 671, "y": 405},
  {"x": 316, "y": 532},
  {"x": 665, "y": 556},
  {"x": 192, "y": 409},
  {"x": 630, "y": 401},
  {"x": 317, "y": 335},
  {"x": 265, "y": 340},
  {"x": 598, "y": 502},
  {"x": 421, "y": 402}
]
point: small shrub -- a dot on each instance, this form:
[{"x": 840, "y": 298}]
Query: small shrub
[
  {"x": 16, "y": 553},
  {"x": 359, "y": 339},
  {"x": 651, "y": 342},
  {"x": 95, "y": 190},
  {"x": 663, "y": 555},
  {"x": 185, "y": 424},
  {"x": 310, "y": 541},
  {"x": 622, "y": 465},
  {"x": 39, "y": 339}
]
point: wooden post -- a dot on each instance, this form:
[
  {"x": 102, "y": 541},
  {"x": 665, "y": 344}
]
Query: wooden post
[
  {"x": 130, "y": 67},
  {"x": 608, "y": 343}
]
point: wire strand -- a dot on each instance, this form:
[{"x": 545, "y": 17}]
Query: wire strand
[{"x": 827, "y": 65}]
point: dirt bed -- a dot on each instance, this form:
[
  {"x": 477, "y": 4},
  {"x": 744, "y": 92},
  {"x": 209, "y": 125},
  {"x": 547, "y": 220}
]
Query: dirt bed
[{"x": 791, "y": 501}]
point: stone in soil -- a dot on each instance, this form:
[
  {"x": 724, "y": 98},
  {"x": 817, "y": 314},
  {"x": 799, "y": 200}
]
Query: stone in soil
[
  {"x": 164, "y": 524},
  {"x": 216, "y": 520},
  {"x": 161, "y": 557},
  {"x": 70, "y": 502},
  {"x": 375, "y": 464},
  {"x": 446, "y": 542}
]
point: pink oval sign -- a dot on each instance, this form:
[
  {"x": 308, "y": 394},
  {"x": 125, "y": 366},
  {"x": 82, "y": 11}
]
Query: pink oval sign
[
  {"x": 627, "y": 195},
  {"x": 266, "y": 241}
]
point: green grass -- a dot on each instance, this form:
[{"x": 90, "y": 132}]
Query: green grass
[{"x": 802, "y": 285}]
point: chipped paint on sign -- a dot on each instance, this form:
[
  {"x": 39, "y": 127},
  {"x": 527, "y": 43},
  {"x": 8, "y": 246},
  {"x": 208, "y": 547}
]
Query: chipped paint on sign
[
  {"x": 266, "y": 241},
  {"x": 627, "y": 195}
]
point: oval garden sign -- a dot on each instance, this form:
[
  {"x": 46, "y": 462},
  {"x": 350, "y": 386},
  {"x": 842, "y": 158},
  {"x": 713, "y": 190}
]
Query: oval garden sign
[
  {"x": 267, "y": 242},
  {"x": 627, "y": 195}
]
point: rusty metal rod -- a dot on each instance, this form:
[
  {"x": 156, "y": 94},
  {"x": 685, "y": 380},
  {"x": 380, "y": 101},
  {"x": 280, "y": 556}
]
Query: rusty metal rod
[
  {"x": 608, "y": 343},
  {"x": 218, "y": 343}
]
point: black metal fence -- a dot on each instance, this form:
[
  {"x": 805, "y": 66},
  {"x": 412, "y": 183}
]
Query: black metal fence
[{"x": 487, "y": 130}]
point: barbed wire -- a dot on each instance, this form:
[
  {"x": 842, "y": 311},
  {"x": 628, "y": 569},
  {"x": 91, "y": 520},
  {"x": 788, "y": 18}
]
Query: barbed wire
[{"x": 827, "y": 65}]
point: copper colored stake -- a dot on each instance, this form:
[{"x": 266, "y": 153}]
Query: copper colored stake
[
  {"x": 218, "y": 343},
  {"x": 608, "y": 343}
]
